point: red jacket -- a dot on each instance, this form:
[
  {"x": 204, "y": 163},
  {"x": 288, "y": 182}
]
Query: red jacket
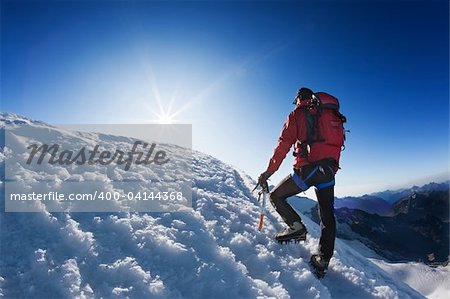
[{"x": 294, "y": 132}]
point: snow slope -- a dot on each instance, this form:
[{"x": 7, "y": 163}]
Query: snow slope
[
  {"x": 431, "y": 282},
  {"x": 434, "y": 283},
  {"x": 214, "y": 251}
]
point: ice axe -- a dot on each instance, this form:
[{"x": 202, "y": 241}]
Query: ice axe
[{"x": 263, "y": 192}]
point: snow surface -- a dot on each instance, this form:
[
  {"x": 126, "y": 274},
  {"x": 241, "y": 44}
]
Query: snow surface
[
  {"x": 213, "y": 251},
  {"x": 431, "y": 282}
]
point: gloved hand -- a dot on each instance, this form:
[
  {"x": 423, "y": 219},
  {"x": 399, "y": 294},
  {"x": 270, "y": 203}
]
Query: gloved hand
[{"x": 262, "y": 180}]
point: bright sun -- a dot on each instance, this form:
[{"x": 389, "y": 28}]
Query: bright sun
[
  {"x": 164, "y": 113},
  {"x": 165, "y": 118}
]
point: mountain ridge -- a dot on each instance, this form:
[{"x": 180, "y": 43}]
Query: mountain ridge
[
  {"x": 213, "y": 251},
  {"x": 416, "y": 227}
]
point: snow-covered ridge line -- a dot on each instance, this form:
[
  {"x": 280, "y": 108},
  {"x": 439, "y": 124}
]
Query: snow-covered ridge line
[
  {"x": 7, "y": 118},
  {"x": 213, "y": 251}
]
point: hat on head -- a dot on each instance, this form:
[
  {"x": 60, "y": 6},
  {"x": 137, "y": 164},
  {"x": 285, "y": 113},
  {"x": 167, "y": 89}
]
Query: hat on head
[{"x": 303, "y": 93}]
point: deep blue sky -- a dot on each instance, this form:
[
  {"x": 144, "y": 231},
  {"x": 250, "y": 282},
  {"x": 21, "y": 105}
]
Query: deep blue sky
[{"x": 232, "y": 69}]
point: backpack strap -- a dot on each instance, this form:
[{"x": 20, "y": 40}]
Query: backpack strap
[{"x": 312, "y": 121}]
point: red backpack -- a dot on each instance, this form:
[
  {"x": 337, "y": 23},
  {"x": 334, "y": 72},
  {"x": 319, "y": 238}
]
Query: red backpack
[{"x": 324, "y": 122}]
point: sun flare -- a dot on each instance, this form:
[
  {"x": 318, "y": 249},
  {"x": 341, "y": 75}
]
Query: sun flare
[{"x": 165, "y": 118}]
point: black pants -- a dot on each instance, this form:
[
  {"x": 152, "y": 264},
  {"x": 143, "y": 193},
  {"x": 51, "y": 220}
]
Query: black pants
[{"x": 322, "y": 177}]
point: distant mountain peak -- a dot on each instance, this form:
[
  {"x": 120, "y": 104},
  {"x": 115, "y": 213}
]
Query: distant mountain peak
[{"x": 7, "y": 118}]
